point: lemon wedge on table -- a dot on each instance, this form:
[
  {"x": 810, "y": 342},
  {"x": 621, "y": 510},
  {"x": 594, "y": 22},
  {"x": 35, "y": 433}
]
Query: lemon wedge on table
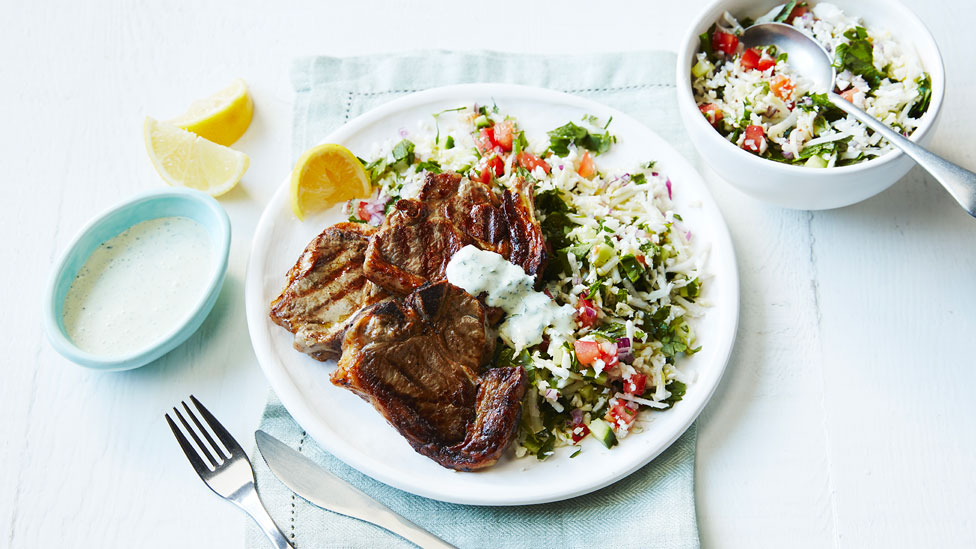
[
  {"x": 222, "y": 118},
  {"x": 325, "y": 176},
  {"x": 188, "y": 160}
]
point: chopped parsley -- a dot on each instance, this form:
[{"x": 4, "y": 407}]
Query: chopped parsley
[
  {"x": 570, "y": 134},
  {"x": 924, "y": 96},
  {"x": 431, "y": 166},
  {"x": 403, "y": 155},
  {"x": 857, "y": 56}
]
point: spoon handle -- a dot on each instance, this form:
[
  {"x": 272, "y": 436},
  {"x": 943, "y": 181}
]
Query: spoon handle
[{"x": 960, "y": 182}]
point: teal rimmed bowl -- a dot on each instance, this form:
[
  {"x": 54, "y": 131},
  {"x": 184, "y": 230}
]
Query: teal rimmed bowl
[{"x": 169, "y": 203}]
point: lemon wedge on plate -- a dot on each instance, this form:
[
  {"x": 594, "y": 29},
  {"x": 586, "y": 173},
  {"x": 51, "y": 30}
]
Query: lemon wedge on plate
[
  {"x": 325, "y": 176},
  {"x": 188, "y": 160},
  {"x": 222, "y": 118}
]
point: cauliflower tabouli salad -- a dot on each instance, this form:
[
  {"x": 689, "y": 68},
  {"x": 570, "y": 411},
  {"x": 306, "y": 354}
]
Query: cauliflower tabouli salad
[
  {"x": 755, "y": 99},
  {"x": 624, "y": 278}
]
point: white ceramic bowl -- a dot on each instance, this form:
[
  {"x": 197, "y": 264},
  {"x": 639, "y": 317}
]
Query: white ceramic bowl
[{"x": 797, "y": 186}]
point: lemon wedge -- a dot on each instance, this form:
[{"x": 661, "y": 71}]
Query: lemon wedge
[
  {"x": 188, "y": 160},
  {"x": 222, "y": 118},
  {"x": 325, "y": 176}
]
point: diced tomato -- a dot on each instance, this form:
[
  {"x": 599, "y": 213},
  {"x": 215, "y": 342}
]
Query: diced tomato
[
  {"x": 621, "y": 414},
  {"x": 725, "y": 42},
  {"x": 849, "y": 95},
  {"x": 587, "y": 168},
  {"x": 586, "y": 351},
  {"x": 766, "y": 62},
  {"x": 755, "y": 138},
  {"x": 504, "y": 135},
  {"x": 361, "y": 211},
  {"x": 492, "y": 166},
  {"x": 586, "y": 313},
  {"x": 589, "y": 352},
  {"x": 782, "y": 87},
  {"x": 484, "y": 176},
  {"x": 485, "y": 140},
  {"x": 634, "y": 385},
  {"x": 641, "y": 259},
  {"x": 798, "y": 11},
  {"x": 579, "y": 432},
  {"x": 497, "y": 165},
  {"x": 749, "y": 59},
  {"x": 712, "y": 113},
  {"x": 530, "y": 162}
]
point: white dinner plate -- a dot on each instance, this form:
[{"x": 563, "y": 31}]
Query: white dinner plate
[{"x": 353, "y": 431}]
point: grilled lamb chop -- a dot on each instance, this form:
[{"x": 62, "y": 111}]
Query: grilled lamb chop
[
  {"x": 417, "y": 361},
  {"x": 528, "y": 245},
  {"x": 326, "y": 290},
  {"x": 419, "y": 237}
]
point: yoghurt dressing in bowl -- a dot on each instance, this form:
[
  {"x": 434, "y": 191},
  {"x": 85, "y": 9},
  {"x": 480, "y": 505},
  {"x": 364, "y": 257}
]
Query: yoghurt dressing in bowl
[
  {"x": 163, "y": 261},
  {"x": 138, "y": 280}
]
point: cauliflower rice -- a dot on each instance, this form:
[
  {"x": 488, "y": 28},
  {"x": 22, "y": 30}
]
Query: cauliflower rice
[{"x": 755, "y": 99}]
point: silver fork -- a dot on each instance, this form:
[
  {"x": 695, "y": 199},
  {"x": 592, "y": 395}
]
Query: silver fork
[{"x": 226, "y": 470}]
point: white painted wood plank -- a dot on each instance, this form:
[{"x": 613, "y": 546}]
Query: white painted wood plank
[
  {"x": 898, "y": 313},
  {"x": 761, "y": 449}
]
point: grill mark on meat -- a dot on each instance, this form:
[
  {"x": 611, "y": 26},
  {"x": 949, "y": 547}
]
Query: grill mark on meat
[
  {"x": 419, "y": 237},
  {"x": 528, "y": 245},
  {"x": 326, "y": 290},
  {"x": 355, "y": 285},
  {"x": 417, "y": 361}
]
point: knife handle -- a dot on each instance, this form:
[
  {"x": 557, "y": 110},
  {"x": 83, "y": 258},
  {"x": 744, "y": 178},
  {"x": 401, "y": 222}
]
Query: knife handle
[{"x": 386, "y": 518}]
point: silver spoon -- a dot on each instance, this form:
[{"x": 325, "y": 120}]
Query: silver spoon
[{"x": 808, "y": 58}]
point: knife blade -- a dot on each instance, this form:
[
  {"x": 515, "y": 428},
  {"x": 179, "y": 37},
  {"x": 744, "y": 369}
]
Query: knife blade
[{"x": 320, "y": 487}]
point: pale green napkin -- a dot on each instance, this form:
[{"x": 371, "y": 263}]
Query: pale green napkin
[{"x": 654, "y": 507}]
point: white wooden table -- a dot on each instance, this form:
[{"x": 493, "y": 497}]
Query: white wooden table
[{"x": 847, "y": 416}]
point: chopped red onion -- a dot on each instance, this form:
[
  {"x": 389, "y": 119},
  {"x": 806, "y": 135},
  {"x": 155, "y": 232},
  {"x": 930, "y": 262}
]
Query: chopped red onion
[
  {"x": 625, "y": 353},
  {"x": 375, "y": 207},
  {"x": 668, "y": 184},
  {"x": 586, "y": 315},
  {"x": 577, "y": 416},
  {"x": 552, "y": 394},
  {"x": 404, "y": 132}
]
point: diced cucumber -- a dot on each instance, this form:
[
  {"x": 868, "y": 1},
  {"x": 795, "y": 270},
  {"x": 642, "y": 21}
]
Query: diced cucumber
[
  {"x": 602, "y": 431},
  {"x": 601, "y": 254},
  {"x": 482, "y": 122},
  {"x": 702, "y": 67},
  {"x": 600, "y": 379},
  {"x": 587, "y": 393},
  {"x": 815, "y": 162}
]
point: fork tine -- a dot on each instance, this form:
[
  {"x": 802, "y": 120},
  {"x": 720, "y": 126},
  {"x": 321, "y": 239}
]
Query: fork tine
[
  {"x": 196, "y": 439},
  {"x": 206, "y": 434},
  {"x": 191, "y": 454},
  {"x": 228, "y": 441}
]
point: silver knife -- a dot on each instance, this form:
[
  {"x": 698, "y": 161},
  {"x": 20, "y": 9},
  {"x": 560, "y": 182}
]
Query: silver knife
[{"x": 320, "y": 487}]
